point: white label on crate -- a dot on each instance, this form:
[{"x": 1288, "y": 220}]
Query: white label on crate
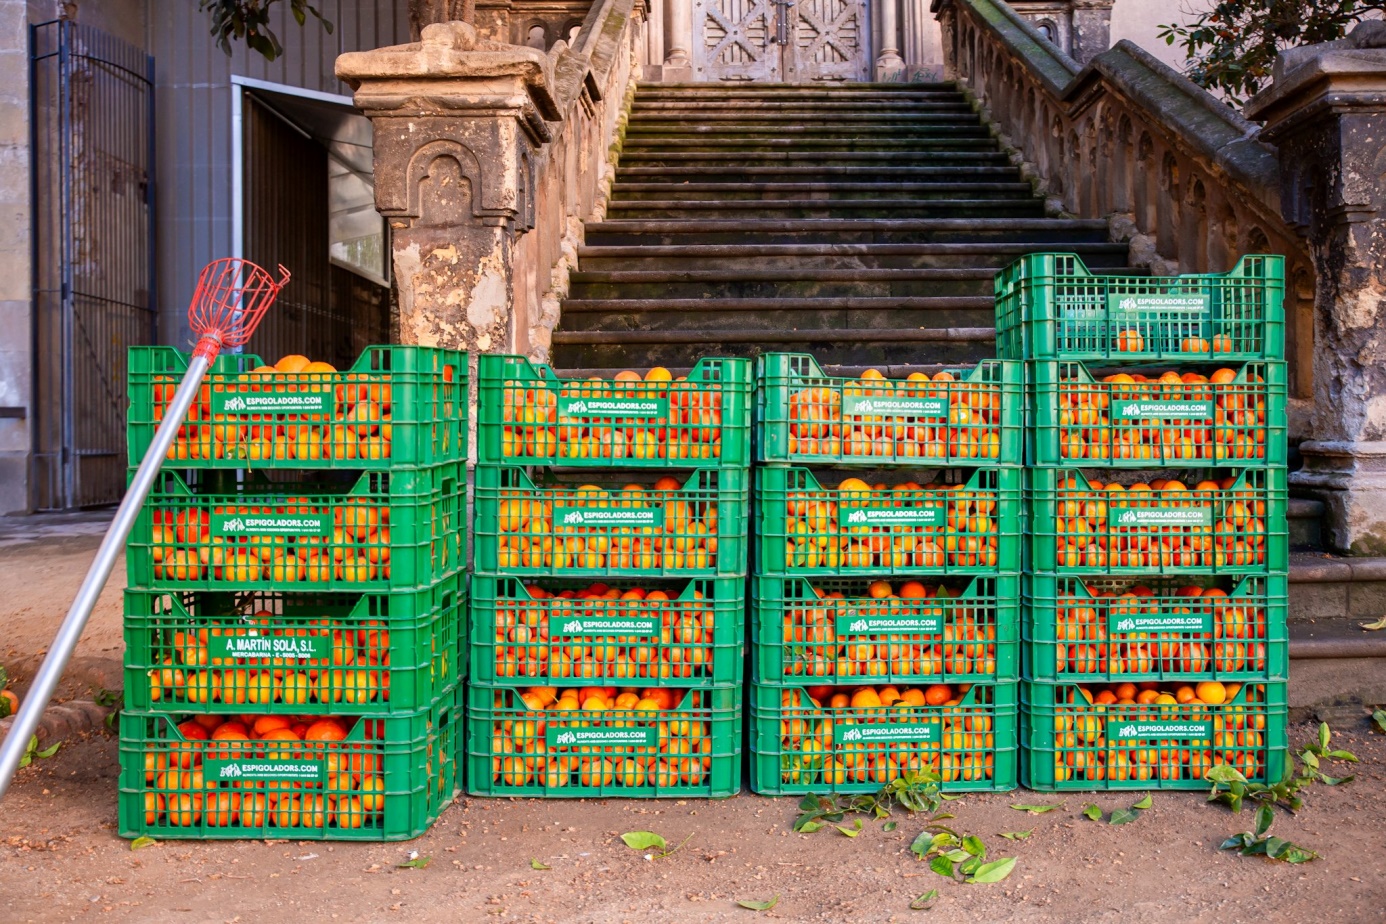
[
  {"x": 853, "y": 622},
  {"x": 588, "y": 737},
  {"x": 568, "y": 626},
  {"x": 254, "y": 769},
  {"x": 1130, "y": 730},
  {"x": 271, "y": 402},
  {"x": 925, "y": 731},
  {"x": 609, "y": 517},
  {"x": 1118, "y": 303},
  {"x": 1133, "y": 517},
  {"x": 1161, "y": 410},
  {"x": 885, "y": 406},
  {"x": 867, "y": 517},
  {"x": 1119, "y": 623},
  {"x": 613, "y": 407},
  {"x": 270, "y": 524},
  {"x": 266, "y": 647}
]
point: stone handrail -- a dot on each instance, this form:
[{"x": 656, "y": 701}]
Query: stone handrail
[
  {"x": 489, "y": 156},
  {"x": 1179, "y": 175}
]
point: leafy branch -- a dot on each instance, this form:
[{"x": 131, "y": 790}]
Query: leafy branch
[
  {"x": 915, "y": 792},
  {"x": 248, "y": 20}
]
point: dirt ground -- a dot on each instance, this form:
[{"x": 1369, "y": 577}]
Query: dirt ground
[{"x": 60, "y": 858}]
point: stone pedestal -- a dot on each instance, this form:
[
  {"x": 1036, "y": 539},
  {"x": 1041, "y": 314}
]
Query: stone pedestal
[
  {"x": 1326, "y": 114},
  {"x": 458, "y": 122}
]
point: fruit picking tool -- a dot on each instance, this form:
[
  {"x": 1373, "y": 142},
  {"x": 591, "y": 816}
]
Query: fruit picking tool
[{"x": 231, "y": 298}]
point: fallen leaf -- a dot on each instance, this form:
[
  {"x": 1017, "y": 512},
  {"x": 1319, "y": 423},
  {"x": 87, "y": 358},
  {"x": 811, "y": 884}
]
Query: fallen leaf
[
  {"x": 140, "y": 843},
  {"x": 752, "y": 905},
  {"x": 535, "y": 864}
]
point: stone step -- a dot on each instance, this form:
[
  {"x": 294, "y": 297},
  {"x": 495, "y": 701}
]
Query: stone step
[
  {"x": 674, "y": 131},
  {"x": 751, "y": 257},
  {"x": 771, "y": 112},
  {"x": 774, "y": 315},
  {"x": 790, "y": 91},
  {"x": 949, "y": 144},
  {"x": 787, "y": 282},
  {"x": 1041, "y": 232},
  {"x": 713, "y": 161},
  {"x": 821, "y": 191},
  {"x": 1324, "y": 586},
  {"x": 1305, "y": 523},
  {"x": 818, "y": 174},
  {"x": 850, "y": 209}
]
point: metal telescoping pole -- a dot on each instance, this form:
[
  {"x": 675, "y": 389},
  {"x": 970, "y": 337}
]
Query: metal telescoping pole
[{"x": 46, "y": 681}]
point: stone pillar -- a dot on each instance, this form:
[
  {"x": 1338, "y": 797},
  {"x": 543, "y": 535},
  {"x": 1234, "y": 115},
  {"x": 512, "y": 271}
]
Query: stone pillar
[
  {"x": 1326, "y": 114},
  {"x": 458, "y": 122},
  {"x": 678, "y": 26},
  {"x": 888, "y": 60},
  {"x": 1091, "y": 30}
]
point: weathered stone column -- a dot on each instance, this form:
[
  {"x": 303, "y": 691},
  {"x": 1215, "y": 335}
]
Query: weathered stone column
[
  {"x": 678, "y": 24},
  {"x": 1092, "y": 29},
  {"x": 457, "y": 124},
  {"x": 1326, "y": 113},
  {"x": 888, "y": 60}
]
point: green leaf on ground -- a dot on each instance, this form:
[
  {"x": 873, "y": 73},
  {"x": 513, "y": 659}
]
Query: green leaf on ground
[
  {"x": 1145, "y": 803},
  {"x": 644, "y": 840},
  {"x": 994, "y": 871},
  {"x": 925, "y": 901},
  {"x": 140, "y": 843},
  {"x": 752, "y": 905},
  {"x": 535, "y": 864},
  {"x": 416, "y": 863},
  {"x": 1123, "y": 816},
  {"x": 1037, "y": 809},
  {"x": 1091, "y": 812},
  {"x": 1017, "y": 835}
]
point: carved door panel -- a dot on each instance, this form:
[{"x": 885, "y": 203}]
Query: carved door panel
[
  {"x": 797, "y": 41},
  {"x": 827, "y": 41},
  {"x": 735, "y": 40}
]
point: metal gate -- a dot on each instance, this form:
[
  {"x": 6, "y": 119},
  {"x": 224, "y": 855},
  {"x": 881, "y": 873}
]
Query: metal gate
[
  {"x": 797, "y": 41},
  {"x": 92, "y": 123}
]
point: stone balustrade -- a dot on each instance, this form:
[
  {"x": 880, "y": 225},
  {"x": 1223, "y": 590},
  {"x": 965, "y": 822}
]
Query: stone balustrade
[
  {"x": 1180, "y": 175},
  {"x": 489, "y": 156}
]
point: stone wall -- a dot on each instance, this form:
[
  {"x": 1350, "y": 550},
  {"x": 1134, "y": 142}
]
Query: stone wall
[
  {"x": 16, "y": 370},
  {"x": 1179, "y": 175},
  {"x": 488, "y": 158}
]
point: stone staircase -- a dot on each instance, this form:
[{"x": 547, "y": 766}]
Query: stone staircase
[{"x": 862, "y": 223}]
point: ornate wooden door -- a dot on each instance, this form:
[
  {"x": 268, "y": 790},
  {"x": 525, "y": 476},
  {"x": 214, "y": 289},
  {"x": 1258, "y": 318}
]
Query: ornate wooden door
[
  {"x": 828, "y": 40},
  {"x": 797, "y": 41}
]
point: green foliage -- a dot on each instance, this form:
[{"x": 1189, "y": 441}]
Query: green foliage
[
  {"x": 248, "y": 21},
  {"x": 1232, "y": 47},
  {"x": 915, "y": 791}
]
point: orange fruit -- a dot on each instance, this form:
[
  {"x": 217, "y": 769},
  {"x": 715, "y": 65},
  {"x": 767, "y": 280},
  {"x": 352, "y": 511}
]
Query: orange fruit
[
  {"x": 865, "y": 698},
  {"x": 879, "y": 589},
  {"x": 1212, "y": 692},
  {"x": 325, "y": 730},
  {"x": 938, "y": 694},
  {"x": 292, "y": 363}
]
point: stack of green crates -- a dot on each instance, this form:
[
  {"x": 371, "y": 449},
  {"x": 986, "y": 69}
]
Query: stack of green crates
[
  {"x": 295, "y": 628},
  {"x": 885, "y": 613},
  {"x": 609, "y": 584},
  {"x": 1154, "y": 639}
]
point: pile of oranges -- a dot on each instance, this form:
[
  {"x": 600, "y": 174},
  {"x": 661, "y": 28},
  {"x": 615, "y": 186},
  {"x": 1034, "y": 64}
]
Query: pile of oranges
[
  {"x": 356, "y": 549},
  {"x": 819, "y": 747},
  {"x": 1091, "y": 428},
  {"x": 690, "y": 429},
  {"x": 812, "y": 647},
  {"x": 356, "y": 671},
  {"x": 527, "y": 645},
  {"x": 1085, "y": 645},
  {"x": 356, "y": 426},
  {"x": 969, "y": 426},
  {"x": 1188, "y": 730},
  {"x": 351, "y": 795},
  {"x": 1085, "y": 535},
  {"x": 530, "y": 538},
  {"x": 677, "y": 748},
  {"x": 1132, "y": 340},
  {"x": 966, "y": 534}
]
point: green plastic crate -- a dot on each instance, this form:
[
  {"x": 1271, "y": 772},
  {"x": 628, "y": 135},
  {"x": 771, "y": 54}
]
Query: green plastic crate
[
  {"x": 298, "y": 652},
  {"x": 698, "y": 530},
  {"x": 1085, "y": 630},
  {"x": 834, "y": 630},
  {"x": 1239, "y": 530},
  {"x": 1049, "y": 306},
  {"x": 1081, "y": 420},
  {"x": 692, "y": 639},
  {"x": 527, "y": 415},
  {"x": 1070, "y": 745},
  {"x": 969, "y": 527},
  {"x": 804, "y": 416},
  {"x": 395, "y": 406},
  {"x": 692, "y": 751},
  {"x": 797, "y": 747},
  {"x": 380, "y": 531},
  {"x": 388, "y": 780}
]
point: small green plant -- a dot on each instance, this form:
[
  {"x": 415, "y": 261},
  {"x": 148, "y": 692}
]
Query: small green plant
[
  {"x": 32, "y": 752},
  {"x": 1232, "y": 789},
  {"x": 115, "y": 701},
  {"x": 915, "y": 792}
]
